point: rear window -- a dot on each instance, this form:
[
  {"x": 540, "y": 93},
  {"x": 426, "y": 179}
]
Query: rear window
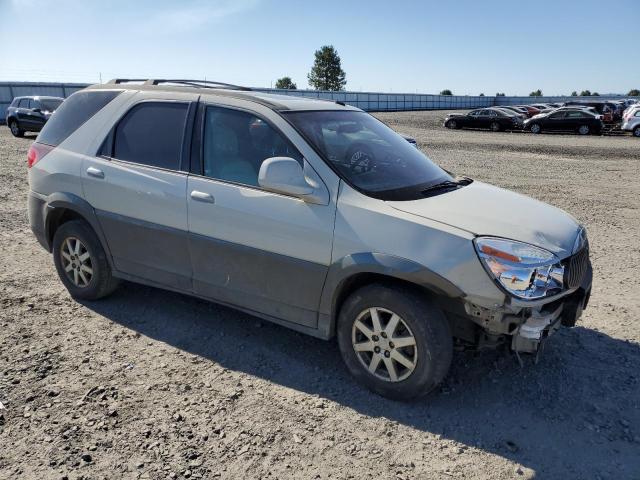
[
  {"x": 72, "y": 114},
  {"x": 151, "y": 133}
]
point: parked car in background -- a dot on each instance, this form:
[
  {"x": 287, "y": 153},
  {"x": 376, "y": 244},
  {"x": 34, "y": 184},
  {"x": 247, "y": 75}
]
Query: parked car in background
[
  {"x": 487, "y": 118},
  {"x": 311, "y": 214},
  {"x": 521, "y": 110},
  {"x": 543, "y": 106},
  {"x": 510, "y": 112},
  {"x": 577, "y": 120},
  {"x": 29, "y": 114},
  {"x": 604, "y": 108},
  {"x": 531, "y": 111},
  {"x": 631, "y": 123}
]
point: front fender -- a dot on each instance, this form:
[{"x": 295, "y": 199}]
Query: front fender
[{"x": 382, "y": 264}]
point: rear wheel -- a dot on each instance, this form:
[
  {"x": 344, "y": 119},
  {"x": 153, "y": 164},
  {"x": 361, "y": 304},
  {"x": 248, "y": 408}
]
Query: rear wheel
[
  {"x": 584, "y": 130},
  {"x": 81, "y": 261},
  {"x": 535, "y": 128},
  {"x": 495, "y": 127},
  {"x": 15, "y": 129},
  {"x": 636, "y": 132},
  {"x": 394, "y": 341}
]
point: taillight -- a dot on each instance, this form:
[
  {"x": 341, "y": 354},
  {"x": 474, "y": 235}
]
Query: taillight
[{"x": 37, "y": 151}]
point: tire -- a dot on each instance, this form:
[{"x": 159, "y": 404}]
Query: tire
[
  {"x": 452, "y": 124},
  {"x": 92, "y": 273},
  {"x": 495, "y": 127},
  {"x": 15, "y": 129},
  {"x": 636, "y": 132},
  {"x": 584, "y": 130},
  {"x": 535, "y": 128},
  {"x": 419, "y": 322}
]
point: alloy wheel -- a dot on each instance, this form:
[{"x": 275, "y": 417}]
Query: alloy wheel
[
  {"x": 636, "y": 132},
  {"x": 583, "y": 130},
  {"x": 495, "y": 126},
  {"x": 14, "y": 128},
  {"x": 452, "y": 124},
  {"x": 76, "y": 262},
  {"x": 384, "y": 344},
  {"x": 535, "y": 128}
]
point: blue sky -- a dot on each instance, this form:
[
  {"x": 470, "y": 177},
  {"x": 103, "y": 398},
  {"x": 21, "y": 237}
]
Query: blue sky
[{"x": 400, "y": 46}]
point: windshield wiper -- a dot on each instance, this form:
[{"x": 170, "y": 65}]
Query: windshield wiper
[{"x": 447, "y": 185}]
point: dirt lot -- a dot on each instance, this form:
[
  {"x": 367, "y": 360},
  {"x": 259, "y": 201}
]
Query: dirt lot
[{"x": 150, "y": 384}]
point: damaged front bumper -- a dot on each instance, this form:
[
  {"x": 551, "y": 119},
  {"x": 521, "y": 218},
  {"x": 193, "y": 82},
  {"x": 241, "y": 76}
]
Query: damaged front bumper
[{"x": 528, "y": 324}]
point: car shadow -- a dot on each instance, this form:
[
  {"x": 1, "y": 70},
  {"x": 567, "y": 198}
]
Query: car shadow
[{"x": 573, "y": 414}]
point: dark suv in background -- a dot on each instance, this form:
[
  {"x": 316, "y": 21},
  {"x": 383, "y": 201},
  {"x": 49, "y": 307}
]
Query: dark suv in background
[{"x": 29, "y": 114}]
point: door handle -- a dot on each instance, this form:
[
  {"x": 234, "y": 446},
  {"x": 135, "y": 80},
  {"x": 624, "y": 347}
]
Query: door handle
[
  {"x": 94, "y": 172},
  {"x": 202, "y": 197}
]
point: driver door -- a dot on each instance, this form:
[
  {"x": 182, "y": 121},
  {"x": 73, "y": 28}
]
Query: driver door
[{"x": 262, "y": 251}]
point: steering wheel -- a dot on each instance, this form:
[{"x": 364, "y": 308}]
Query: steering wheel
[{"x": 360, "y": 159}]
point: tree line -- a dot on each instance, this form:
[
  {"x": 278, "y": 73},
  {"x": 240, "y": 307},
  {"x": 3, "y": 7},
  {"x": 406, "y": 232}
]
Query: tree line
[{"x": 327, "y": 74}]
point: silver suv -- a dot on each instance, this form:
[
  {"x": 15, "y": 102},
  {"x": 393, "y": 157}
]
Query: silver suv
[{"x": 311, "y": 214}]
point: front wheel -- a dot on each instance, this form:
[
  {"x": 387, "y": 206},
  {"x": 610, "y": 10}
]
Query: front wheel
[
  {"x": 81, "y": 261},
  {"x": 584, "y": 130},
  {"x": 535, "y": 128},
  {"x": 15, "y": 129},
  {"x": 452, "y": 124},
  {"x": 394, "y": 341},
  {"x": 636, "y": 132}
]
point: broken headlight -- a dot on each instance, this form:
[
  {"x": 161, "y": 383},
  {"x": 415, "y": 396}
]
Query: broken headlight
[{"x": 524, "y": 270}]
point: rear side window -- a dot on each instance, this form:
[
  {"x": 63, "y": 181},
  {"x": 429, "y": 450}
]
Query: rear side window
[
  {"x": 151, "y": 133},
  {"x": 72, "y": 114}
]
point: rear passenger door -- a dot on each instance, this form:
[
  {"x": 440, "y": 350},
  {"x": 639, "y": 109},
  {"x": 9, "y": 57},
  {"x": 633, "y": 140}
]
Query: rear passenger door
[
  {"x": 256, "y": 249},
  {"x": 23, "y": 114},
  {"x": 137, "y": 184}
]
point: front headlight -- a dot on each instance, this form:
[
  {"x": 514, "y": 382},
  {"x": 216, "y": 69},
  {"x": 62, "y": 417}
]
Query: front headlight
[{"x": 524, "y": 270}]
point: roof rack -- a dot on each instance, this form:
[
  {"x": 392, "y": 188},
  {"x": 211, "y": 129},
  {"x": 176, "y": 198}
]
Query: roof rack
[{"x": 190, "y": 83}]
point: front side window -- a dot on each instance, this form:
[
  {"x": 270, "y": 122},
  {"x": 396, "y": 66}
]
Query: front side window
[
  {"x": 368, "y": 154},
  {"x": 235, "y": 143},
  {"x": 151, "y": 133},
  {"x": 24, "y": 103},
  {"x": 49, "y": 104},
  {"x": 557, "y": 116}
]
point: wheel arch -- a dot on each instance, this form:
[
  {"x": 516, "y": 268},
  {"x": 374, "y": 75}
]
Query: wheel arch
[
  {"x": 65, "y": 207},
  {"x": 358, "y": 270}
]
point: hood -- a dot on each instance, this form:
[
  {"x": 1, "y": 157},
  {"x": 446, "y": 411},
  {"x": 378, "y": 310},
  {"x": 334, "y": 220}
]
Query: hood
[{"x": 483, "y": 209}]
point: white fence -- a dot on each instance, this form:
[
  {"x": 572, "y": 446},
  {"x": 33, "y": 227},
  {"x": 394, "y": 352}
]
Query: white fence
[{"x": 369, "y": 101}]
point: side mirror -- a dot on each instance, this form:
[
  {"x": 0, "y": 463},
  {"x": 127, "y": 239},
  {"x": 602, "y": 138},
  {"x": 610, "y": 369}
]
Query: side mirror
[{"x": 284, "y": 175}]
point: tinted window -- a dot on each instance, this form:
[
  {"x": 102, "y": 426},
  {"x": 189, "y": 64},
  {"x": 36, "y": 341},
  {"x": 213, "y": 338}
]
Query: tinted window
[
  {"x": 24, "y": 103},
  {"x": 151, "y": 134},
  {"x": 33, "y": 103},
  {"x": 49, "y": 104},
  {"x": 367, "y": 153},
  {"x": 637, "y": 114},
  {"x": 557, "y": 115},
  {"x": 576, "y": 114},
  {"x": 72, "y": 113},
  {"x": 236, "y": 143}
]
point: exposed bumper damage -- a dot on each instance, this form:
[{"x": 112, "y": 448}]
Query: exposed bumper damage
[{"x": 525, "y": 326}]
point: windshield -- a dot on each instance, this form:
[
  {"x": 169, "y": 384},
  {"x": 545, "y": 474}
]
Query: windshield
[
  {"x": 49, "y": 105},
  {"x": 368, "y": 154}
]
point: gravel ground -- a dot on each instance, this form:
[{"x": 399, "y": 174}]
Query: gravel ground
[{"x": 150, "y": 384}]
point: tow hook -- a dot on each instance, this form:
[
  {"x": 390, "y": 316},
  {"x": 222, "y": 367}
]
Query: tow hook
[{"x": 529, "y": 335}]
